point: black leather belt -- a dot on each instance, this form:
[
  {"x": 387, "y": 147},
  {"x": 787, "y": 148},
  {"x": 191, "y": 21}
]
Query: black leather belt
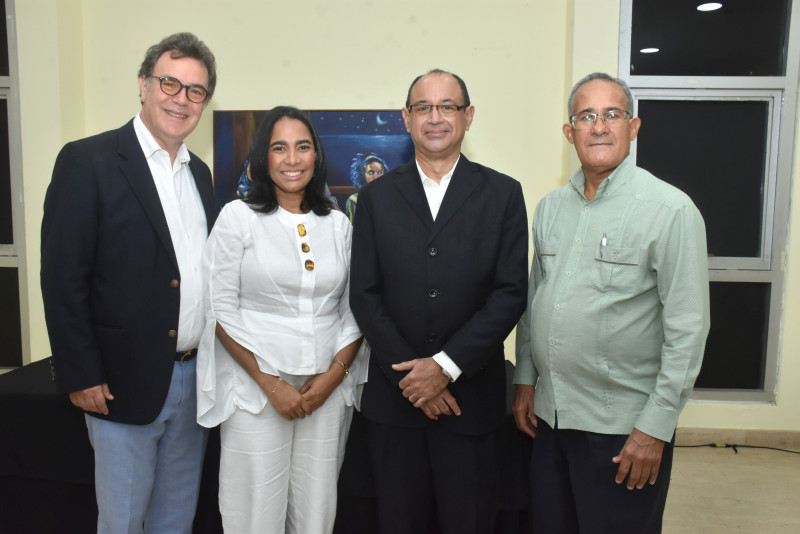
[{"x": 185, "y": 356}]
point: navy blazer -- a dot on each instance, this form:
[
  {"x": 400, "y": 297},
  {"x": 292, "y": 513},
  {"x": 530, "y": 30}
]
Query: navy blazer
[
  {"x": 457, "y": 284},
  {"x": 110, "y": 278}
]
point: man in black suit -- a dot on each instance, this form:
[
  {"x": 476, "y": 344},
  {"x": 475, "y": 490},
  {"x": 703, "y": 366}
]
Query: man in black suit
[
  {"x": 438, "y": 279},
  {"x": 125, "y": 219}
]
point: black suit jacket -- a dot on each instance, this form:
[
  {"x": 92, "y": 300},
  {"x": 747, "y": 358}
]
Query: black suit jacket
[
  {"x": 458, "y": 284},
  {"x": 110, "y": 278}
]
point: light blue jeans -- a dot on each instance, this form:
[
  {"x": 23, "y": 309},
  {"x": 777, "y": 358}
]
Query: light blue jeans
[{"x": 147, "y": 477}]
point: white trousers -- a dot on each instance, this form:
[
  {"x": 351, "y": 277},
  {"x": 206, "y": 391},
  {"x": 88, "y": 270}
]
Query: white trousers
[{"x": 278, "y": 476}]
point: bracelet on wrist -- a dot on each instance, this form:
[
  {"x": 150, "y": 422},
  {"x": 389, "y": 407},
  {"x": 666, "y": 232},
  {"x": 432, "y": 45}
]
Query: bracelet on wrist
[
  {"x": 344, "y": 366},
  {"x": 271, "y": 393}
]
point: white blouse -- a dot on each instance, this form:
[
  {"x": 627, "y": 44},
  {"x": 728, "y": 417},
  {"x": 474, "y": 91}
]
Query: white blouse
[{"x": 293, "y": 320}]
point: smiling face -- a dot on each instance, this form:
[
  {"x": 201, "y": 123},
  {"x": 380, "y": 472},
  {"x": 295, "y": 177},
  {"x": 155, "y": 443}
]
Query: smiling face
[
  {"x": 170, "y": 119},
  {"x": 291, "y": 160},
  {"x": 601, "y": 148},
  {"x": 437, "y": 136}
]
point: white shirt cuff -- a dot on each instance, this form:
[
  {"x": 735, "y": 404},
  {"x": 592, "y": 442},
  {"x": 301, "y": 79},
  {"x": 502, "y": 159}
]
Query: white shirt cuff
[{"x": 448, "y": 365}]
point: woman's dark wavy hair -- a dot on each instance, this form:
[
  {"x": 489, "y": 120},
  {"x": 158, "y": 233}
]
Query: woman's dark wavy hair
[{"x": 262, "y": 197}]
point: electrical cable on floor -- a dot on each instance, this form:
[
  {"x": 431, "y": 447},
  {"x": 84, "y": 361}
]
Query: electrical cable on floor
[{"x": 736, "y": 447}]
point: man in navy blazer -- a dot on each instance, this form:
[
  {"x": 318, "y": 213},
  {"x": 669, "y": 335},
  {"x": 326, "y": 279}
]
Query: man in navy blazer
[
  {"x": 125, "y": 220},
  {"x": 438, "y": 280}
]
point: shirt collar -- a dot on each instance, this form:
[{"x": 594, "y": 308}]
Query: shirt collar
[
  {"x": 309, "y": 220},
  {"x": 445, "y": 179},
  {"x": 149, "y": 144},
  {"x": 612, "y": 183}
]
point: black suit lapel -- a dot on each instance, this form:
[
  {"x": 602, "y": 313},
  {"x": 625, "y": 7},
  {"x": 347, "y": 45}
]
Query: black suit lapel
[
  {"x": 205, "y": 188},
  {"x": 463, "y": 182},
  {"x": 133, "y": 166},
  {"x": 409, "y": 184}
]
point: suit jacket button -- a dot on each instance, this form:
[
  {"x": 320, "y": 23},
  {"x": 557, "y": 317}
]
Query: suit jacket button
[
  {"x": 432, "y": 337},
  {"x": 433, "y": 251},
  {"x": 172, "y": 333},
  {"x": 173, "y": 283},
  {"x": 433, "y": 293}
]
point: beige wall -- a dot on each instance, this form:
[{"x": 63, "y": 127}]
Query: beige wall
[{"x": 79, "y": 59}]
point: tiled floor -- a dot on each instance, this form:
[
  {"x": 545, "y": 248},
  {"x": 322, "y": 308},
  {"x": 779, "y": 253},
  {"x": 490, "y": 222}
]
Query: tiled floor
[{"x": 718, "y": 491}]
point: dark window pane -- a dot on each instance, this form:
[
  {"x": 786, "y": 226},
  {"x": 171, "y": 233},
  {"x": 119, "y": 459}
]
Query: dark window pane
[
  {"x": 10, "y": 331},
  {"x": 743, "y": 38},
  {"x": 3, "y": 41},
  {"x": 6, "y": 226},
  {"x": 736, "y": 350},
  {"x": 715, "y": 151}
]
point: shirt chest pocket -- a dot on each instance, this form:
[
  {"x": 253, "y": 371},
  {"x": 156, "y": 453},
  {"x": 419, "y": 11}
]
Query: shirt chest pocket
[{"x": 616, "y": 269}]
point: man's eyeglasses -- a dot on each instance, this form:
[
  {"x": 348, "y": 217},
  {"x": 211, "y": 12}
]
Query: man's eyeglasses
[
  {"x": 426, "y": 109},
  {"x": 172, "y": 86},
  {"x": 615, "y": 117}
]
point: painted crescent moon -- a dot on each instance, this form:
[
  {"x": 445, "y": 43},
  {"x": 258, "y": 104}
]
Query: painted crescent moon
[{"x": 380, "y": 121}]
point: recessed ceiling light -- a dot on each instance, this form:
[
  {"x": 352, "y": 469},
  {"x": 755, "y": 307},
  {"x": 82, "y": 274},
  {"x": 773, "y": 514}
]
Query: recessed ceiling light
[
  {"x": 648, "y": 50},
  {"x": 709, "y": 6}
]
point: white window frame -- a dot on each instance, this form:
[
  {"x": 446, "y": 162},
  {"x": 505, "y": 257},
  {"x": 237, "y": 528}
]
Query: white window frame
[
  {"x": 13, "y": 255},
  {"x": 773, "y": 99},
  {"x": 781, "y": 91}
]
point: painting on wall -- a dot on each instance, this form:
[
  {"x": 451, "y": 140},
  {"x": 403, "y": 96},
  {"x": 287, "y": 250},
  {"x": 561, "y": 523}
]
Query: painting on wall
[{"x": 359, "y": 145}]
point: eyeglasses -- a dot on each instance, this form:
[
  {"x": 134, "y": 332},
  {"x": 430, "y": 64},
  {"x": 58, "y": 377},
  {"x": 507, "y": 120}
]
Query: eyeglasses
[
  {"x": 172, "y": 86},
  {"x": 584, "y": 121},
  {"x": 426, "y": 109},
  {"x": 301, "y": 229}
]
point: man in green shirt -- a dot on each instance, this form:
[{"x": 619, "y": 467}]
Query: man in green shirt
[{"x": 613, "y": 336}]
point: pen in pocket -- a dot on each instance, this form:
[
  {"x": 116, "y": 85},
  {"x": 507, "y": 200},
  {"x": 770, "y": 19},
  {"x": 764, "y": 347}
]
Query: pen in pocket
[{"x": 603, "y": 243}]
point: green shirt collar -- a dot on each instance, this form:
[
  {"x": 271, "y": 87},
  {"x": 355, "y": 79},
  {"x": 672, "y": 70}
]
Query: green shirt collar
[{"x": 615, "y": 180}]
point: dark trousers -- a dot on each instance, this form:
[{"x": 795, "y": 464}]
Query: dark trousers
[
  {"x": 416, "y": 469},
  {"x": 573, "y": 487}
]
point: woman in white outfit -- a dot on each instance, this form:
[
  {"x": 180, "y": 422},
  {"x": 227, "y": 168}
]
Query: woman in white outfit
[{"x": 276, "y": 365}]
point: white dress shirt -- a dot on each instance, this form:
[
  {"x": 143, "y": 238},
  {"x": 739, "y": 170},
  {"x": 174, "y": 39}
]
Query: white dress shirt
[{"x": 188, "y": 228}]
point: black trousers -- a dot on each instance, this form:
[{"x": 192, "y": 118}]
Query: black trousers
[
  {"x": 417, "y": 469},
  {"x": 573, "y": 487}
]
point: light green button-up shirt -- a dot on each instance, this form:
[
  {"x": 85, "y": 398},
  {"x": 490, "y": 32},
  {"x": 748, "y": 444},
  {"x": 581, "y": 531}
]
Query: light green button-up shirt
[{"x": 618, "y": 309}]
